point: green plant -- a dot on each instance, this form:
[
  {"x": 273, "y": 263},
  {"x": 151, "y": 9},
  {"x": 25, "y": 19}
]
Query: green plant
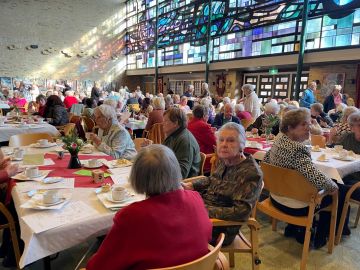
[
  {"x": 269, "y": 122},
  {"x": 72, "y": 143}
]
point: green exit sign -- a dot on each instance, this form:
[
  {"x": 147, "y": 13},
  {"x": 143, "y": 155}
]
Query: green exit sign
[{"x": 273, "y": 71}]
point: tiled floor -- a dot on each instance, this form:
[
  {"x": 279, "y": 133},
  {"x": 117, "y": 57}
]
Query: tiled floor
[{"x": 276, "y": 252}]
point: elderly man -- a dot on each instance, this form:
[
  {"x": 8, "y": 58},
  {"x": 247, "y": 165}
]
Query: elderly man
[
  {"x": 308, "y": 97},
  {"x": 225, "y": 117},
  {"x": 317, "y": 112},
  {"x": 251, "y": 100},
  {"x": 189, "y": 94},
  {"x": 182, "y": 142},
  {"x": 231, "y": 192}
]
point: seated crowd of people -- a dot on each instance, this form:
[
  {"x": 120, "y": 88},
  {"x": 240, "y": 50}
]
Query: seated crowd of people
[{"x": 230, "y": 192}]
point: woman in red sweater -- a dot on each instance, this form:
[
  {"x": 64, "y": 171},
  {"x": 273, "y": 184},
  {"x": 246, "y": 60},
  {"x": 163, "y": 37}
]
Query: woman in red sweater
[
  {"x": 70, "y": 99},
  {"x": 169, "y": 228}
]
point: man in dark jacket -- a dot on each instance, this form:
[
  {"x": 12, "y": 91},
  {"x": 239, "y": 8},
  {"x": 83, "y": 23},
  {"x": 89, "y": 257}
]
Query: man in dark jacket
[{"x": 225, "y": 117}]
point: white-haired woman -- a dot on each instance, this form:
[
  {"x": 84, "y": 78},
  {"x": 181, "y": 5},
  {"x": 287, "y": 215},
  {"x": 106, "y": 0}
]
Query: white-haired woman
[
  {"x": 262, "y": 122},
  {"x": 343, "y": 127},
  {"x": 112, "y": 138},
  {"x": 183, "y": 104},
  {"x": 336, "y": 114},
  {"x": 231, "y": 192},
  {"x": 241, "y": 113},
  {"x": 149, "y": 234},
  {"x": 157, "y": 114},
  {"x": 207, "y": 103},
  {"x": 334, "y": 99},
  {"x": 251, "y": 100},
  {"x": 204, "y": 90}
]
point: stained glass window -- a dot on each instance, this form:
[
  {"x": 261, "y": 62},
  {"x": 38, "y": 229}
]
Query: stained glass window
[{"x": 237, "y": 28}]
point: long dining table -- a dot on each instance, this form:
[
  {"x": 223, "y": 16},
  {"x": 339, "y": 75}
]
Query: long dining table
[{"x": 83, "y": 217}]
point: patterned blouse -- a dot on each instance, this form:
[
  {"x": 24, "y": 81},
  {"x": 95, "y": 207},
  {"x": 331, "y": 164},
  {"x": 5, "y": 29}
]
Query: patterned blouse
[
  {"x": 117, "y": 143},
  {"x": 294, "y": 155},
  {"x": 231, "y": 192}
]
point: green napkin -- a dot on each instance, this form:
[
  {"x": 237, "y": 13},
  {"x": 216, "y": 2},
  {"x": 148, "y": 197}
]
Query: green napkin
[{"x": 88, "y": 173}]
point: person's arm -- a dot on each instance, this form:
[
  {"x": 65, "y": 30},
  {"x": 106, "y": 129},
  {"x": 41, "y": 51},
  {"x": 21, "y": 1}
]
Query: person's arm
[
  {"x": 243, "y": 200},
  {"x": 217, "y": 121},
  {"x": 257, "y": 124},
  {"x": 149, "y": 122},
  {"x": 184, "y": 155},
  {"x": 304, "y": 102},
  {"x": 202, "y": 184},
  {"x": 57, "y": 115}
]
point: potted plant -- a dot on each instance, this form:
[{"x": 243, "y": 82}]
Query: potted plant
[{"x": 73, "y": 144}]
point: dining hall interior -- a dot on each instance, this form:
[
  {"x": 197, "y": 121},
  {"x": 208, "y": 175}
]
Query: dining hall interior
[{"x": 183, "y": 134}]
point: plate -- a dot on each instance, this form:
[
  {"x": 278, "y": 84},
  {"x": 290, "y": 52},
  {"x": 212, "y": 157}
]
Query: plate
[
  {"x": 110, "y": 199},
  {"x": 86, "y": 165},
  {"x": 51, "y": 180},
  {"x": 16, "y": 159},
  {"x": 345, "y": 159},
  {"x": 325, "y": 160},
  {"x": 41, "y": 203},
  {"x": 37, "y": 145},
  {"x": 315, "y": 150}
]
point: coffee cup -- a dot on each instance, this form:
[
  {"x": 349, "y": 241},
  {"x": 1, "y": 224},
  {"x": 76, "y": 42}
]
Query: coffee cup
[
  {"x": 93, "y": 162},
  {"x": 18, "y": 153},
  {"x": 43, "y": 142},
  {"x": 32, "y": 172},
  {"x": 87, "y": 149},
  {"x": 338, "y": 148},
  {"x": 118, "y": 192},
  {"x": 50, "y": 197},
  {"x": 2, "y": 120},
  {"x": 343, "y": 154}
]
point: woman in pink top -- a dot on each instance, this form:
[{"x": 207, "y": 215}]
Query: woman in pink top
[
  {"x": 18, "y": 100},
  {"x": 241, "y": 113}
]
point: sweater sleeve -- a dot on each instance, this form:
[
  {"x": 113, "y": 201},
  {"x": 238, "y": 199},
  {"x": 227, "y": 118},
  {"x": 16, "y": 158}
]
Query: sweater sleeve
[
  {"x": 116, "y": 146},
  {"x": 304, "y": 102},
  {"x": 184, "y": 155}
]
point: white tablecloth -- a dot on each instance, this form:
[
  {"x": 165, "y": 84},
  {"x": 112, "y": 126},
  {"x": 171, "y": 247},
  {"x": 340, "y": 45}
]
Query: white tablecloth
[
  {"x": 9, "y": 130},
  {"x": 4, "y": 105},
  {"x": 137, "y": 124}
]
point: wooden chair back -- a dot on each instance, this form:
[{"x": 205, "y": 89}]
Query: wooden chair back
[
  {"x": 206, "y": 262},
  {"x": 156, "y": 133},
  {"x": 202, "y": 163},
  {"x": 68, "y": 129},
  {"x": 138, "y": 143},
  {"x": 286, "y": 182},
  {"x": 75, "y": 118},
  {"x": 11, "y": 226},
  {"x": 89, "y": 124},
  {"x": 318, "y": 140},
  {"x": 27, "y": 139},
  {"x": 246, "y": 122}
]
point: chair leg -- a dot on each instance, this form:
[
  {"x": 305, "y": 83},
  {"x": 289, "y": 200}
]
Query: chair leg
[
  {"x": 357, "y": 217},
  {"x": 274, "y": 224},
  {"x": 305, "y": 251},
  {"x": 232, "y": 258},
  {"x": 254, "y": 248},
  {"x": 15, "y": 243},
  {"x": 342, "y": 221}
]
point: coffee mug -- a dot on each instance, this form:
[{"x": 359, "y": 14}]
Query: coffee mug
[
  {"x": 93, "y": 162},
  {"x": 43, "y": 142},
  {"x": 50, "y": 197},
  {"x": 118, "y": 192},
  {"x": 338, "y": 148},
  {"x": 18, "y": 153},
  {"x": 32, "y": 172}
]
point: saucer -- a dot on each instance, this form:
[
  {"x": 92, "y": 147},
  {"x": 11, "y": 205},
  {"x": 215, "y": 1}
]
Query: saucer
[
  {"x": 345, "y": 159},
  {"x": 16, "y": 159},
  {"x": 37, "y": 145},
  {"x": 110, "y": 198},
  {"x": 41, "y": 203},
  {"x": 87, "y": 165},
  {"x": 315, "y": 150},
  {"x": 51, "y": 180},
  {"x": 324, "y": 160}
]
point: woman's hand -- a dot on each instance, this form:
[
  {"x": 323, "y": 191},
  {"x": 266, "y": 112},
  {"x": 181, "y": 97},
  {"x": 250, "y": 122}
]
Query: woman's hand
[
  {"x": 12, "y": 169},
  {"x": 95, "y": 139},
  {"x": 187, "y": 186},
  {"x": 254, "y": 131}
]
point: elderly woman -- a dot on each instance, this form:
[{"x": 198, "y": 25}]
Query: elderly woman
[
  {"x": 317, "y": 112},
  {"x": 241, "y": 113},
  {"x": 251, "y": 100},
  {"x": 17, "y": 101},
  {"x": 204, "y": 90},
  {"x": 157, "y": 115},
  {"x": 336, "y": 114},
  {"x": 334, "y": 99},
  {"x": 70, "y": 99},
  {"x": 231, "y": 192},
  {"x": 183, "y": 105},
  {"x": 56, "y": 111},
  {"x": 112, "y": 139},
  {"x": 263, "y": 122},
  {"x": 41, "y": 101},
  {"x": 343, "y": 127},
  {"x": 168, "y": 102},
  {"x": 290, "y": 152},
  {"x": 145, "y": 234},
  {"x": 211, "y": 110}
]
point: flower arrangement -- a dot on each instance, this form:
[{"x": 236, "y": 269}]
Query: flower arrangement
[
  {"x": 72, "y": 143},
  {"x": 269, "y": 122}
]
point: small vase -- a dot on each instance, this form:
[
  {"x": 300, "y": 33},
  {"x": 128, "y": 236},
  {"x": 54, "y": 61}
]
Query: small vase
[{"x": 74, "y": 162}]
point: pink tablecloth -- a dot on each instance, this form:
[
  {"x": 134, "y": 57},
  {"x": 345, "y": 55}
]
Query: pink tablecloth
[
  {"x": 251, "y": 151},
  {"x": 60, "y": 169}
]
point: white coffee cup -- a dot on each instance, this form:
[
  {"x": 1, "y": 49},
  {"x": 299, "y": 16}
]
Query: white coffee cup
[
  {"x": 32, "y": 172},
  {"x": 87, "y": 149},
  {"x": 2, "y": 120},
  {"x": 40, "y": 120},
  {"x": 343, "y": 154},
  {"x": 93, "y": 162},
  {"x": 43, "y": 142},
  {"x": 338, "y": 148},
  {"x": 50, "y": 197},
  {"x": 18, "y": 153},
  {"x": 118, "y": 192}
]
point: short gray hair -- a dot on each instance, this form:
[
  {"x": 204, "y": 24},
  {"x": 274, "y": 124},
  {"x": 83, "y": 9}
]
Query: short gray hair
[
  {"x": 159, "y": 103},
  {"x": 272, "y": 107},
  {"x": 249, "y": 87},
  {"x": 347, "y": 111},
  {"x": 155, "y": 171},
  {"x": 107, "y": 111},
  {"x": 239, "y": 108},
  {"x": 110, "y": 102},
  {"x": 293, "y": 118},
  {"x": 205, "y": 101},
  {"x": 240, "y": 131},
  {"x": 354, "y": 118},
  {"x": 318, "y": 107}
]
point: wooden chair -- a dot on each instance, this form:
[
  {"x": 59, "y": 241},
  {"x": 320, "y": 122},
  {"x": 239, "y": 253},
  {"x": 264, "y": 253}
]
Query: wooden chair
[
  {"x": 156, "y": 133},
  {"x": 138, "y": 143},
  {"x": 11, "y": 226},
  {"x": 318, "y": 140},
  {"x": 68, "y": 129},
  {"x": 89, "y": 124},
  {"x": 189, "y": 116},
  {"x": 240, "y": 244},
  {"x": 27, "y": 139},
  {"x": 246, "y": 122},
  {"x": 206, "y": 262},
  {"x": 202, "y": 163},
  {"x": 286, "y": 183},
  {"x": 345, "y": 209},
  {"x": 75, "y": 118}
]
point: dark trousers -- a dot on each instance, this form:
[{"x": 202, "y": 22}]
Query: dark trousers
[{"x": 229, "y": 231}]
